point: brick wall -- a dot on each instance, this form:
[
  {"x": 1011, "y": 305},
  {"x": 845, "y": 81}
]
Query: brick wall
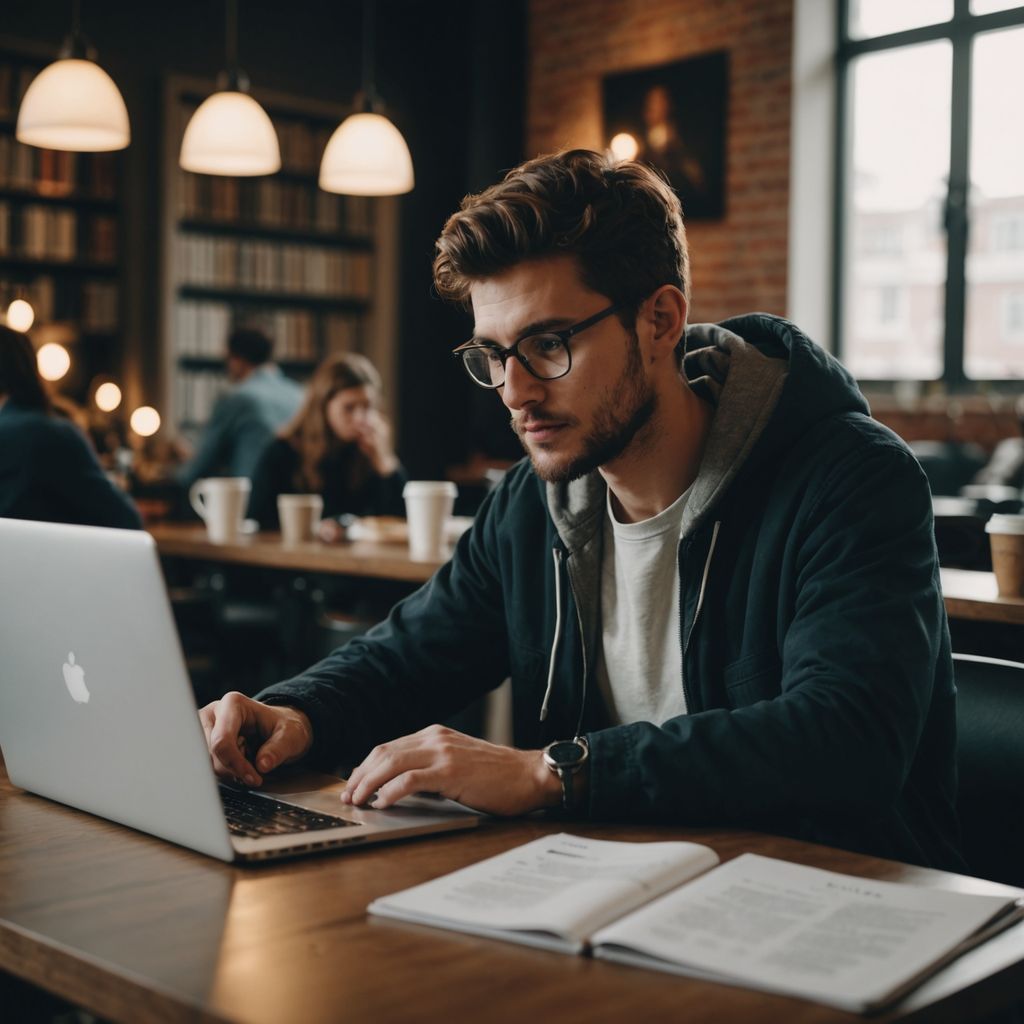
[{"x": 739, "y": 263}]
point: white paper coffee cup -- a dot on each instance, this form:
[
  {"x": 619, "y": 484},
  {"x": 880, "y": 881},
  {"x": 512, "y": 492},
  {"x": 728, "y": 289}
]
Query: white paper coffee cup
[
  {"x": 220, "y": 502},
  {"x": 428, "y": 507},
  {"x": 299, "y": 515}
]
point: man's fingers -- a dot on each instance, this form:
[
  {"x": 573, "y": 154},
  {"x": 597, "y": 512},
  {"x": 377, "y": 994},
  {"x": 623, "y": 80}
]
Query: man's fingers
[
  {"x": 226, "y": 741},
  {"x": 285, "y": 743},
  {"x": 416, "y": 781},
  {"x": 238, "y": 728},
  {"x": 221, "y": 770},
  {"x": 427, "y": 749}
]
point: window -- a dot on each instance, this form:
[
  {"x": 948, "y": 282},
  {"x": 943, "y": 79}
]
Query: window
[
  {"x": 1013, "y": 317},
  {"x": 1008, "y": 231},
  {"x": 930, "y": 190}
]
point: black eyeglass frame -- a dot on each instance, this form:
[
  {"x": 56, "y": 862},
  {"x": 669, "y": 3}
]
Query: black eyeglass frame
[{"x": 513, "y": 350}]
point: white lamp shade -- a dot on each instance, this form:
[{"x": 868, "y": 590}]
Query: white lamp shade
[
  {"x": 230, "y": 134},
  {"x": 366, "y": 156},
  {"x": 74, "y": 105}
]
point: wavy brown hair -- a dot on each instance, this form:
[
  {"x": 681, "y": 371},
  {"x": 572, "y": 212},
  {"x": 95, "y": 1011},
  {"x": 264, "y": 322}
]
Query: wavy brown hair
[
  {"x": 19, "y": 375},
  {"x": 620, "y": 219},
  {"x": 309, "y": 433}
]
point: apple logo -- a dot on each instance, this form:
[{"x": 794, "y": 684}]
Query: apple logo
[{"x": 74, "y": 679}]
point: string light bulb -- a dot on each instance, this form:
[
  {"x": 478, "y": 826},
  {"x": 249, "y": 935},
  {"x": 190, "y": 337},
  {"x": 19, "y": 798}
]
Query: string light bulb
[
  {"x": 20, "y": 315},
  {"x": 108, "y": 396},
  {"x": 145, "y": 421},
  {"x": 53, "y": 361}
]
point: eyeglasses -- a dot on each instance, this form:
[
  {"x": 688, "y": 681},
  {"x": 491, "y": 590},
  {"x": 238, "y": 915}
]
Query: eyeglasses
[{"x": 546, "y": 356}]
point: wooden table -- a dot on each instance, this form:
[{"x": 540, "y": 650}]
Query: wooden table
[
  {"x": 973, "y": 595},
  {"x": 137, "y": 930},
  {"x": 968, "y": 595},
  {"x": 266, "y": 550}
]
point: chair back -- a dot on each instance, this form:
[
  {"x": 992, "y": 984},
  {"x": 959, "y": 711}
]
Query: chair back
[{"x": 990, "y": 727}]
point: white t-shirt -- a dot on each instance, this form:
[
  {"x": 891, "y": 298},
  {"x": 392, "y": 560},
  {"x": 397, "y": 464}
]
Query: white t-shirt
[{"x": 639, "y": 671}]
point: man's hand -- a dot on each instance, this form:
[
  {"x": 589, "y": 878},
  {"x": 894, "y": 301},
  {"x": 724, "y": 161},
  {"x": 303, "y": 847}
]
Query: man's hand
[
  {"x": 374, "y": 440},
  {"x": 244, "y": 735},
  {"x": 481, "y": 775}
]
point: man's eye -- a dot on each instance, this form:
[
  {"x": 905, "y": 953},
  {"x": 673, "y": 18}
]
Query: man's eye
[{"x": 545, "y": 344}]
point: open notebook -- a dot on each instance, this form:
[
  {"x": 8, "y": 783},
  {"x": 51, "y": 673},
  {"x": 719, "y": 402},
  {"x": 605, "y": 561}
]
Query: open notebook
[{"x": 854, "y": 943}]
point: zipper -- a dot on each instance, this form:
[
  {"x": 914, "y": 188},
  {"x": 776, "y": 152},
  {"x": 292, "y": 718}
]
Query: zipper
[{"x": 696, "y": 613}]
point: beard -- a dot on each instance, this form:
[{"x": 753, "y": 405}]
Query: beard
[{"x": 624, "y": 410}]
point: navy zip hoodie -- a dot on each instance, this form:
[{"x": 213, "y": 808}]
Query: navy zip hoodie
[{"x": 816, "y": 658}]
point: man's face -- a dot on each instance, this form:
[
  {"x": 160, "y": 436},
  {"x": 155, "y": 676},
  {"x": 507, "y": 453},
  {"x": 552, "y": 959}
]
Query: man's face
[
  {"x": 588, "y": 418},
  {"x": 237, "y": 368}
]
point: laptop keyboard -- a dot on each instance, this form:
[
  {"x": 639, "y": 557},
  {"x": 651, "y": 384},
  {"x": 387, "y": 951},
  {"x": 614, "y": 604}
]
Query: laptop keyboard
[{"x": 256, "y": 816}]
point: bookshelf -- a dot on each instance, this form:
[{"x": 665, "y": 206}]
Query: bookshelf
[
  {"x": 60, "y": 237},
  {"x": 316, "y": 271}
]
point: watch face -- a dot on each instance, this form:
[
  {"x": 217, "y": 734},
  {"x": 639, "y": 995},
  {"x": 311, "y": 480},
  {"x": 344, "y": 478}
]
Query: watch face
[{"x": 567, "y": 753}]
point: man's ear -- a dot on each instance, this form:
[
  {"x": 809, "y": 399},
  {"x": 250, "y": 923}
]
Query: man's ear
[{"x": 667, "y": 311}]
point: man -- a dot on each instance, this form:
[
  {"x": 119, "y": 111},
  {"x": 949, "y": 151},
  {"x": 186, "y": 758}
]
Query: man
[
  {"x": 715, "y": 590},
  {"x": 245, "y": 419}
]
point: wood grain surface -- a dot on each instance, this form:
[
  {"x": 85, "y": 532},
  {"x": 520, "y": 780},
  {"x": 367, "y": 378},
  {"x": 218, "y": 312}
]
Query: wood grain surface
[
  {"x": 974, "y": 595},
  {"x": 389, "y": 561},
  {"x": 137, "y": 930}
]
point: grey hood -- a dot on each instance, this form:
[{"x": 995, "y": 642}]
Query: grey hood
[{"x": 742, "y": 384}]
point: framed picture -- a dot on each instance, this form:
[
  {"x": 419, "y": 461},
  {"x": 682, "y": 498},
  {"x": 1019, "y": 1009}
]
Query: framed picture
[{"x": 674, "y": 118}]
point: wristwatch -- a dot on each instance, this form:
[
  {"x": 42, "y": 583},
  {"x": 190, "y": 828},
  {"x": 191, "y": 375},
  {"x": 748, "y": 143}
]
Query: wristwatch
[{"x": 565, "y": 758}]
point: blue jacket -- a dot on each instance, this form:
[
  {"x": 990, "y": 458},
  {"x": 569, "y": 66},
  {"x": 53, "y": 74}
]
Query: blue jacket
[
  {"x": 49, "y": 472},
  {"x": 243, "y": 422},
  {"x": 816, "y": 657}
]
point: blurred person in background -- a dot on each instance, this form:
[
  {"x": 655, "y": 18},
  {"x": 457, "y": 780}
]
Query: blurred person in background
[
  {"x": 338, "y": 446},
  {"x": 1006, "y": 465},
  {"x": 48, "y": 470},
  {"x": 246, "y": 417}
]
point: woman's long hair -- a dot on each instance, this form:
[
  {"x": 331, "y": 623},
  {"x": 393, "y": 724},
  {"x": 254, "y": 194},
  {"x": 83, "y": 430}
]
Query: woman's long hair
[
  {"x": 310, "y": 434},
  {"x": 19, "y": 375}
]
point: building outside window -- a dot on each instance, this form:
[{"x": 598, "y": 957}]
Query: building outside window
[
  {"x": 1013, "y": 317},
  {"x": 931, "y": 189}
]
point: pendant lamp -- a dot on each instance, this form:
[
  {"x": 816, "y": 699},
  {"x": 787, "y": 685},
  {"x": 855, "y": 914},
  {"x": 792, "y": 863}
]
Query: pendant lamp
[
  {"x": 73, "y": 104},
  {"x": 230, "y": 133},
  {"x": 366, "y": 155}
]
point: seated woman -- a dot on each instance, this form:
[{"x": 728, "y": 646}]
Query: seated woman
[
  {"x": 338, "y": 446},
  {"x": 48, "y": 470}
]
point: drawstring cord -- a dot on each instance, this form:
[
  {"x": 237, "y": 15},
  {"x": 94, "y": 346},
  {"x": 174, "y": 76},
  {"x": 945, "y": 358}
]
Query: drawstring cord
[{"x": 556, "y": 556}]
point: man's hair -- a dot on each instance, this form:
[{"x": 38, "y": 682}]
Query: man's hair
[
  {"x": 619, "y": 219},
  {"x": 19, "y": 376},
  {"x": 250, "y": 344}
]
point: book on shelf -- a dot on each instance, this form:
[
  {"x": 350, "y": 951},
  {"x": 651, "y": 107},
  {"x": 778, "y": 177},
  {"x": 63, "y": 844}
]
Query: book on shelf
[{"x": 854, "y": 943}]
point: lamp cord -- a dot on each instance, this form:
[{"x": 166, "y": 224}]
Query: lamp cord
[
  {"x": 369, "y": 86},
  {"x": 231, "y": 34}
]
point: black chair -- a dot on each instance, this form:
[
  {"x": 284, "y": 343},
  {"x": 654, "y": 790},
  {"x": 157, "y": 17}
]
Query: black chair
[
  {"x": 949, "y": 465},
  {"x": 990, "y": 723}
]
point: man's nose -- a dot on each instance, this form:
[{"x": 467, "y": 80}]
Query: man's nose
[{"x": 521, "y": 388}]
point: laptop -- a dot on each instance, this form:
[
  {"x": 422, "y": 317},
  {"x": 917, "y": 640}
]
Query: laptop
[{"x": 97, "y": 710}]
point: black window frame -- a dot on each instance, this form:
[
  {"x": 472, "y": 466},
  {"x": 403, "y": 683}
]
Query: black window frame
[{"x": 961, "y": 31}]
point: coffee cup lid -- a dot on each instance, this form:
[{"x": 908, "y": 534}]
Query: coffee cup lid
[
  {"x": 1002, "y": 522},
  {"x": 422, "y": 488}
]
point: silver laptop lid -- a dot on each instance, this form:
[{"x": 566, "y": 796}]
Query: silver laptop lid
[{"x": 96, "y": 709}]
